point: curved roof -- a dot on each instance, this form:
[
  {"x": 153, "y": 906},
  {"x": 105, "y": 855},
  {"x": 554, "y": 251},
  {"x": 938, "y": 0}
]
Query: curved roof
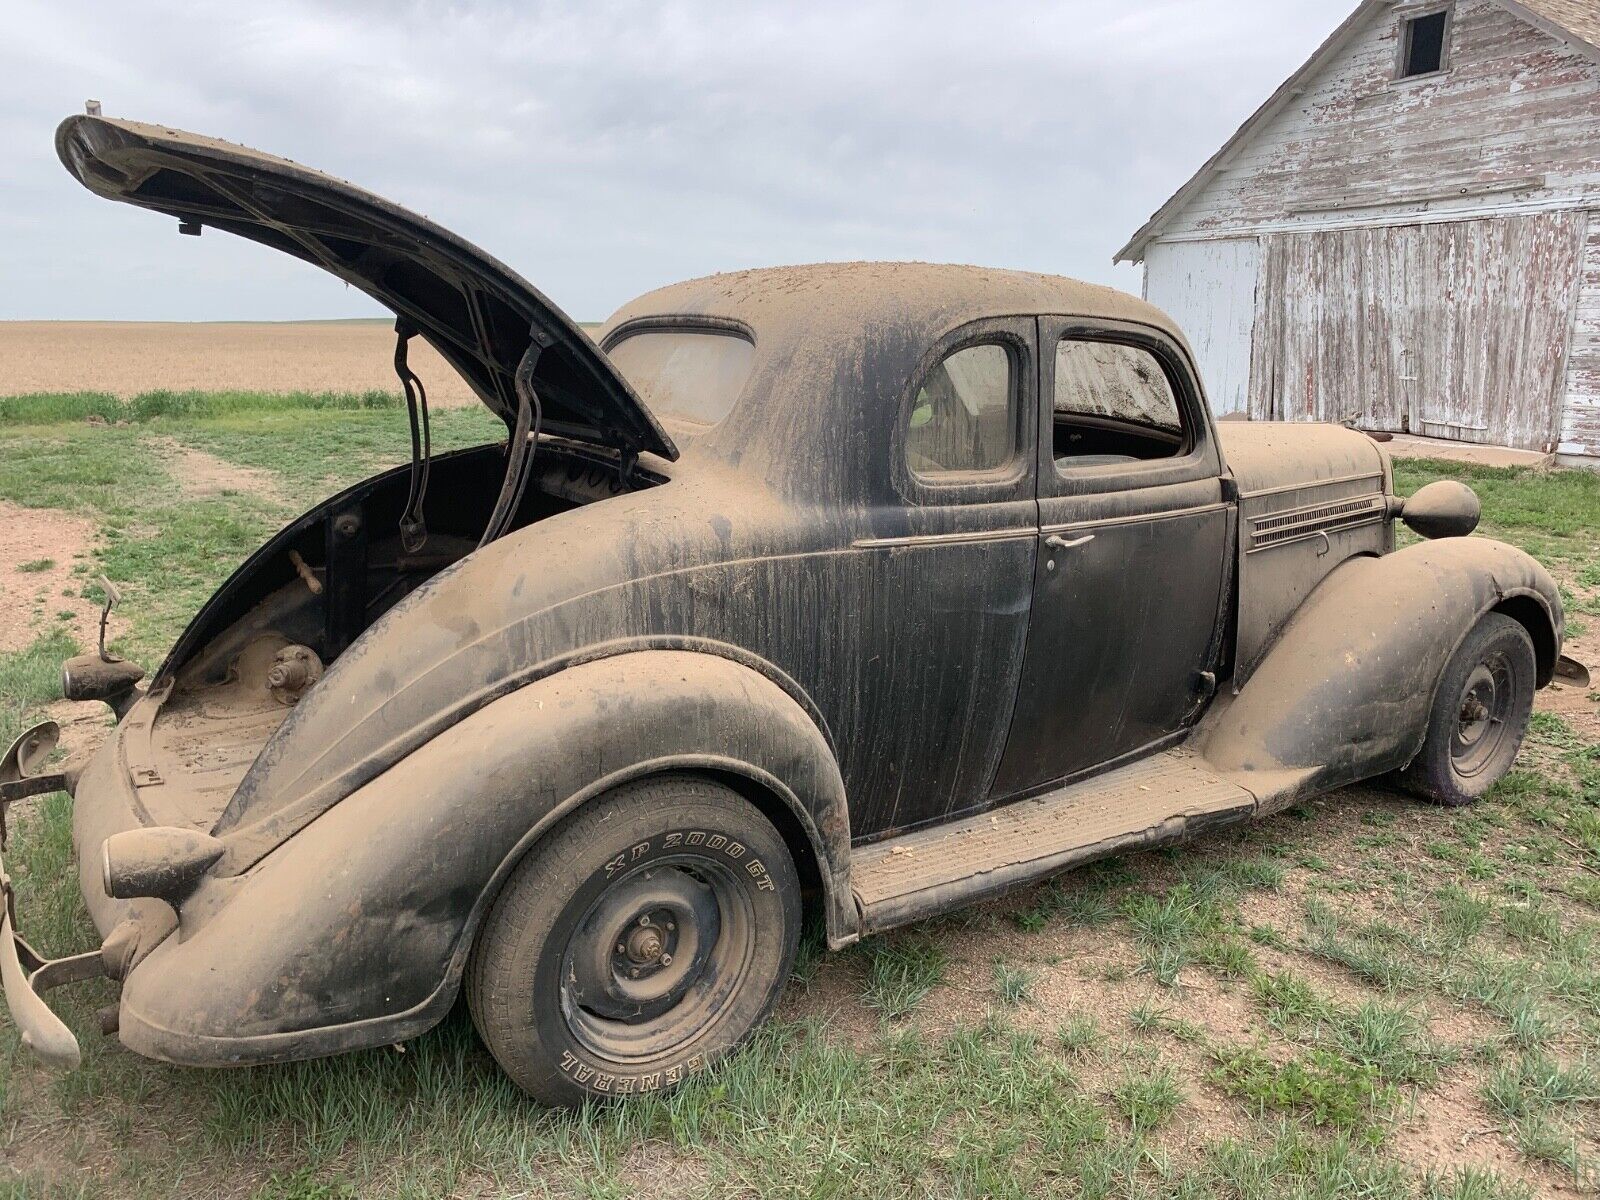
[
  {"x": 837, "y": 344},
  {"x": 844, "y": 299}
]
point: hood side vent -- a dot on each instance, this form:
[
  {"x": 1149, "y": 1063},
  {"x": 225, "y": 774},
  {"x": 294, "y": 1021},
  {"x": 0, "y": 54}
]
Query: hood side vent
[{"x": 1298, "y": 524}]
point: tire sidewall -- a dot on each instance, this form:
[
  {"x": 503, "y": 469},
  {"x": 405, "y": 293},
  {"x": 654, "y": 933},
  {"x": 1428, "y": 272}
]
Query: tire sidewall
[
  {"x": 1434, "y": 770},
  {"x": 611, "y": 839}
]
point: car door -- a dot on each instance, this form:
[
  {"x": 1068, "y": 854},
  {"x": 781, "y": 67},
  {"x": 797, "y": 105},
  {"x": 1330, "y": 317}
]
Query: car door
[
  {"x": 1126, "y": 624},
  {"x": 943, "y": 583}
]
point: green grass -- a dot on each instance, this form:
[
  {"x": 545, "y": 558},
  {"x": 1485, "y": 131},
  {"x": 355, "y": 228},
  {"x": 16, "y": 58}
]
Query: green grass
[
  {"x": 1325, "y": 1086},
  {"x": 901, "y": 970},
  {"x": 1554, "y": 515},
  {"x": 1148, "y": 1096},
  {"x": 53, "y": 408},
  {"x": 1012, "y": 985},
  {"x": 1332, "y": 944}
]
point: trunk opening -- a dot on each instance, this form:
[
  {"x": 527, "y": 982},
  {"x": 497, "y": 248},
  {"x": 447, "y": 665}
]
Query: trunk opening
[{"x": 268, "y": 635}]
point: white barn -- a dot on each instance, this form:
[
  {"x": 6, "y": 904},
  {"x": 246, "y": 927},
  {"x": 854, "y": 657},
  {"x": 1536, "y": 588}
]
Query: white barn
[{"x": 1407, "y": 233}]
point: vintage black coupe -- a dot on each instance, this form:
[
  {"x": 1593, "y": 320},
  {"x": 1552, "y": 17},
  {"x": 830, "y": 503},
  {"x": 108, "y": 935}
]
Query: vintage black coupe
[{"x": 853, "y": 591}]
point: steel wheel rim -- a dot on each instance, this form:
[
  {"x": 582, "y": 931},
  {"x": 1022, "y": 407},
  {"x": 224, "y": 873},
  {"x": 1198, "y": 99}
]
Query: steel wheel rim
[
  {"x": 1483, "y": 710},
  {"x": 635, "y": 1018}
]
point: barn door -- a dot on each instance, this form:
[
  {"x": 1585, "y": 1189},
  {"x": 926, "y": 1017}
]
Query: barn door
[
  {"x": 1455, "y": 330},
  {"x": 1209, "y": 289}
]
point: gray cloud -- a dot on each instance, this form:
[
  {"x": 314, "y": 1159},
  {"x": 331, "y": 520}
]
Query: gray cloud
[{"x": 606, "y": 148}]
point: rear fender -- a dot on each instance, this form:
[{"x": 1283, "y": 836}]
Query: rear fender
[
  {"x": 1345, "y": 691},
  {"x": 373, "y": 906}
]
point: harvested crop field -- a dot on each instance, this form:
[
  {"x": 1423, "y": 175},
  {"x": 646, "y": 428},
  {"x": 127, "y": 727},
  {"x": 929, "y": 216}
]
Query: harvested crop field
[{"x": 125, "y": 358}]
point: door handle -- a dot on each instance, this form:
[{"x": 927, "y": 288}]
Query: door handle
[{"x": 1057, "y": 542}]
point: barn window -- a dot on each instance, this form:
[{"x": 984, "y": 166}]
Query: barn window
[{"x": 1422, "y": 44}]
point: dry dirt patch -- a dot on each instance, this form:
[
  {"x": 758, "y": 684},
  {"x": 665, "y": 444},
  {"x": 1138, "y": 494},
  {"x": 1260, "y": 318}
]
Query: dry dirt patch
[
  {"x": 38, "y": 549},
  {"x": 200, "y": 474}
]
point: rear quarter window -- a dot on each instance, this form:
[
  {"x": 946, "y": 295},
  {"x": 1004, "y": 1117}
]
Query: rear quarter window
[{"x": 695, "y": 376}]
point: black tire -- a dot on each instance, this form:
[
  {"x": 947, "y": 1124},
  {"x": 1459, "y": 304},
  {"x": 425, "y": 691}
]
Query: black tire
[
  {"x": 643, "y": 940},
  {"x": 1480, "y": 715}
]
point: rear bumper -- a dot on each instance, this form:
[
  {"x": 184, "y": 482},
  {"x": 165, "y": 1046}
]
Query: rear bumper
[{"x": 25, "y": 975}]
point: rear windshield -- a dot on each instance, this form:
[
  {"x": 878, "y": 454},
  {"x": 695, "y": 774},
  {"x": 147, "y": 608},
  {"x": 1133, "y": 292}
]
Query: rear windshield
[{"x": 692, "y": 375}]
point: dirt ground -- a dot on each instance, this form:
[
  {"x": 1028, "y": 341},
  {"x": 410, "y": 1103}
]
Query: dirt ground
[
  {"x": 128, "y": 357},
  {"x": 39, "y": 547}
]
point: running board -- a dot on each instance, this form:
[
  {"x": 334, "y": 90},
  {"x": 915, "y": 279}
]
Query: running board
[{"x": 1163, "y": 798}]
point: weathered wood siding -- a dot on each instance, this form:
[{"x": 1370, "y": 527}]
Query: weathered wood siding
[
  {"x": 1456, "y": 330},
  {"x": 1514, "y": 121},
  {"x": 1209, "y": 288},
  {"x": 1580, "y": 428}
]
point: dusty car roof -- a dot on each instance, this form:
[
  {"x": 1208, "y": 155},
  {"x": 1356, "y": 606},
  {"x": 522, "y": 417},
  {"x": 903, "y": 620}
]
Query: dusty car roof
[
  {"x": 845, "y": 298},
  {"x": 837, "y": 344}
]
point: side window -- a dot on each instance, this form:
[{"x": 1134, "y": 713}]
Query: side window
[
  {"x": 964, "y": 417},
  {"x": 1113, "y": 405}
]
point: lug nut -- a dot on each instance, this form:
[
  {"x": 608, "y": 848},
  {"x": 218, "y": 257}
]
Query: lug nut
[{"x": 666, "y": 960}]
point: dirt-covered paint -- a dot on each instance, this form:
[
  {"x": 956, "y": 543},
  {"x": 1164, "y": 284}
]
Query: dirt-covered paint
[{"x": 868, "y": 655}]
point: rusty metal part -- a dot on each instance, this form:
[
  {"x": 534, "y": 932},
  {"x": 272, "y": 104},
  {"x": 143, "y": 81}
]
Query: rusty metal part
[
  {"x": 413, "y": 525},
  {"x": 1571, "y": 671},
  {"x": 136, "y": 935},
  {"x": 522, "y": 446},
  {"x": 307, "y": 575},
  {"x": 25, "y": 975},
  {"x": 113, "y": 598},
  {"x": 19, "y": 777},
  {"x": 295, "y": 669}
]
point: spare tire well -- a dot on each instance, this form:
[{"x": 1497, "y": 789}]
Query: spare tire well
[{"x": 1531, "y": 615}]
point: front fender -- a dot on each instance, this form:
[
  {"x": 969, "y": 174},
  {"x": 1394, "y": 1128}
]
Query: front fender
[
  {"x": 355, "y": 931},
  {"x": 1345, "y": 691}
]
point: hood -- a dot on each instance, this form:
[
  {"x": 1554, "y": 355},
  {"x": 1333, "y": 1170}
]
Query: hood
[
  {"x": 479, "y": 314},
  {"x": 1277, "y": 456}
]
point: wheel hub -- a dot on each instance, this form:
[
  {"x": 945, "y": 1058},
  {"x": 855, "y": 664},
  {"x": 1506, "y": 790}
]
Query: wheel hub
[
  {"x": 1481, "y": 713},
  {"x": 644, "y": 945}
]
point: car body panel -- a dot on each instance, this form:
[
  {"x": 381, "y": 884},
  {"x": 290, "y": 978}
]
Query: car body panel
[
  {"x": 1345, "y": 691},
  {"x": 386, "y": 888},
  {"x": 1311, "y": 497}
]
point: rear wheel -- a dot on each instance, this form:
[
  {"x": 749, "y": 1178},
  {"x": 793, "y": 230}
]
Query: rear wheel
[
  {"x": 1480, "y": 714},
  {"x": 643, "y": 940}
]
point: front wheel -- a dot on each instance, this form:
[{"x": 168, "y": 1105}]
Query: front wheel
[
  {"x": 1480, "y": 714},
  {"x": 640, "y": 942}
]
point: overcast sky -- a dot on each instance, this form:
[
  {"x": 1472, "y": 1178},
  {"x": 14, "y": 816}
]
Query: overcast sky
[{"x": 603, "y": 149}]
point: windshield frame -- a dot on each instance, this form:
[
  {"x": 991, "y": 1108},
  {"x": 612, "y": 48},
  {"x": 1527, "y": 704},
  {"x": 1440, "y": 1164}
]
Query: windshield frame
[{"x": 684, "y": 323}]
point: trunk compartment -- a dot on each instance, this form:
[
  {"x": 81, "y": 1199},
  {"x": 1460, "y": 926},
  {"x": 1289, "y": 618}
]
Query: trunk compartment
[{"x": 318, "y": 584}]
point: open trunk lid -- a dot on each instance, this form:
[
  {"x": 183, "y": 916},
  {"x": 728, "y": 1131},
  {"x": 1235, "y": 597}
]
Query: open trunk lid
[{"x": 479, "y": 314}]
